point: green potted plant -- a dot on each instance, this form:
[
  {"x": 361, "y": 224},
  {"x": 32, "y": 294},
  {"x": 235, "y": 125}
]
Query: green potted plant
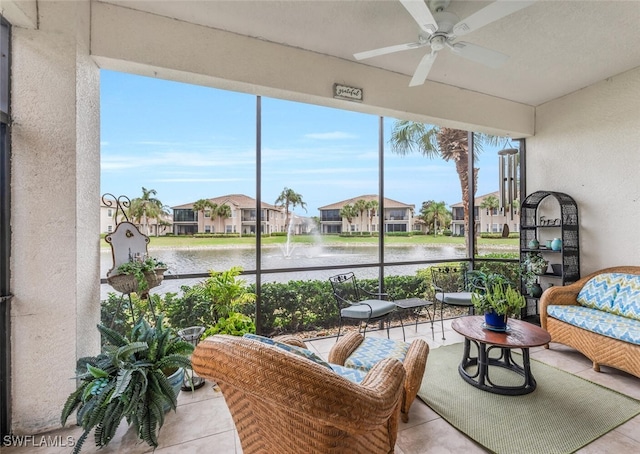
[
  {"x": 533, "y": 265},
  {"x": 136, "y": 378},
  {"x": 499, "y": 302},
  {"x": 137, "y": 276},
  {"x": 535, "y": 262},
  {"x": 479, "y": 280}
]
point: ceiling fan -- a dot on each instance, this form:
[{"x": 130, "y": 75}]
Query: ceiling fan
[{"x": 442, "y": 28}]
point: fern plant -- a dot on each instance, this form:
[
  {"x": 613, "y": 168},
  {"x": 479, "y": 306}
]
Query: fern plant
[{"x": 128, "y": 380}]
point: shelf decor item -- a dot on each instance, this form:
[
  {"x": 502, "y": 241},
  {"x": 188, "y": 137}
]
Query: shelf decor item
[
  {"x": 534, "y": 244},
  {"x": 556, "y": 244},
  {"x": 535, "y": 290}
]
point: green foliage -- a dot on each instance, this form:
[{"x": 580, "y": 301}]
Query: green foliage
[
  {"x": 193, "y": 308},
  {"x": 498, "y": 236},
  {"x": 235, "y": 324},
  {"x": 510, "y": 270},
  {"x": 398, "y": 287},
  {"x": 297, "y": 306},
  {"x": 499, "y": 298},
  {"x": 116, "y": 312},
  {"x": 226, "y": 292},
  {"x": 217, "y": 235},
  {"x": 128, "y": 380},
  {"x": 139, "y": 268},
  {"x": 480, "y": 281}
]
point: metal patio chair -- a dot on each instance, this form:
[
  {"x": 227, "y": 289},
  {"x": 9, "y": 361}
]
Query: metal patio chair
[
  {"x": 356, "y": 303},
  {"x": 453, "y": 286}
]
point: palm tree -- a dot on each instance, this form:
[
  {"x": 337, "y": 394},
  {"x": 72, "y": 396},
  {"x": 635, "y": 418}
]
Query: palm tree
[
  {"x": 348, "y": 212},
  {"x": 289, "y": 198},
  {"x": 146, "y": 207},
  {"x": 372, "y": 206},
  {"x": 222, "y": 212},
  {"x": 361, "y": 206},
  {"x": 446, "y": 143},
  {"x": 490, "y": 203},
  {"x": 436, "y": 214},
  {"x": 202, "y": 205}
]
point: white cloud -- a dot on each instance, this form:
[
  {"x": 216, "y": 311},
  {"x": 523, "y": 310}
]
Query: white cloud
[
  {"x": 198, "y": 180},
  {"x": 336, "y": 135},
  {"x": 213, "y": 158}
]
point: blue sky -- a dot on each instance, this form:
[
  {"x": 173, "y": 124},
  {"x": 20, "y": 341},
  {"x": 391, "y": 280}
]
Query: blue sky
[{"x": 189, "y": 142}]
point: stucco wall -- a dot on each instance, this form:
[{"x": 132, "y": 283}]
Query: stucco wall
[
  {"x": 587, "y": 144},
  {"x": 55, "y": 186}
]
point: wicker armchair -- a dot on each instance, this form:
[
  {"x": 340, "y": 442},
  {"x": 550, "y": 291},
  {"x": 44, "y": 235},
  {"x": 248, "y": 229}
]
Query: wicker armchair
[
  {"x": 284, "y": 403},
  {"x": 414, "y": 364}
]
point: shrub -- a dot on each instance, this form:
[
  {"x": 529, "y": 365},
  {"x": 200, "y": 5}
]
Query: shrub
[{"x": 235, "y": 324}]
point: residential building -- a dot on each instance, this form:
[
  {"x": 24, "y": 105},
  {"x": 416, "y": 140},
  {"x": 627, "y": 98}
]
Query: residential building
[
  {"x": 486, "y": 220},
  {"x": 242, "y": 217},
  {"x": 153, "y": 227},
  {"x": 107, "y": 216},
  {"x": 398, "y": 216}
]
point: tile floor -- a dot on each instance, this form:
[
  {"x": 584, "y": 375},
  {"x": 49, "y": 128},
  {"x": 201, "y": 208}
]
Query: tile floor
[{"x": 203, "y": 424}]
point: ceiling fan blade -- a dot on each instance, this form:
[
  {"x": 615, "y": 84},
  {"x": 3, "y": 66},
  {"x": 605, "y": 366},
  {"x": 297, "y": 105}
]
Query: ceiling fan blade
[
  {"x": 491, "y": 13},
  {"x": 479, "y": 54},
  {"x": 421, "y": 14},
  {"x": 387, "y": 50},
  {"x": 422, "y": 71}
]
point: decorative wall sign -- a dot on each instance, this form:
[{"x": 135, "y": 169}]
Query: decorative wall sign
[{"x": 349, "y": 93}]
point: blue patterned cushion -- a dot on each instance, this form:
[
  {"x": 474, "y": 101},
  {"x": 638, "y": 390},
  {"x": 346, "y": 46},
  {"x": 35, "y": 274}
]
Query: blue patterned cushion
[
  {"x": 600, "y": 291},
  {"x": 290, "y": 348},
  {"x": 374, "y": 349},
  {"x": 627, "y": 301},
  {"x": 601, "y": 322},
  {"x": 354, "y": 375}
]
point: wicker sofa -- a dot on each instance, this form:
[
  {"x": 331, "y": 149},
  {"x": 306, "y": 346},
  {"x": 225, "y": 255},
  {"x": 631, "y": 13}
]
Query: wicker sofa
[
  {"x": 282, "y": 402},
  {"x": 598, "y": 315}
]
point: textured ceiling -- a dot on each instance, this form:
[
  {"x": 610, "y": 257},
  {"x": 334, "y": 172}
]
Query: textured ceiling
[{"x": 555, "y": 47}]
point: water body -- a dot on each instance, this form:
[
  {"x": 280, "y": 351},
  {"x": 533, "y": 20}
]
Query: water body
[{"x": 187, "y": 261}]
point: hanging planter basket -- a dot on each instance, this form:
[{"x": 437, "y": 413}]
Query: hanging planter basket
[{"x": 127, "y": 283}]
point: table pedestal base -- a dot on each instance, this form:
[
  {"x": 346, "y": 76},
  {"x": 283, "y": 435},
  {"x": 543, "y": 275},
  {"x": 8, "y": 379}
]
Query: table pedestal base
[{"x": 480, "y": 379}]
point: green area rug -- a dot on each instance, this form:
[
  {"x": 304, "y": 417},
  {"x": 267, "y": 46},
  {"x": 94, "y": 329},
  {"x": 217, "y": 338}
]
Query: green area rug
[{"x": 563, "y": 414}]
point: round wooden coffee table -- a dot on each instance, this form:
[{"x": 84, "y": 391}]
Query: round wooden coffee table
[{"x": 519, "y": 335}]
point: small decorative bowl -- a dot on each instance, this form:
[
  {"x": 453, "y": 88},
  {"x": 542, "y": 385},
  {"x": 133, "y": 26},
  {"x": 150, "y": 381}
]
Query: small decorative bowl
[{"x": 557, "y": 269}]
